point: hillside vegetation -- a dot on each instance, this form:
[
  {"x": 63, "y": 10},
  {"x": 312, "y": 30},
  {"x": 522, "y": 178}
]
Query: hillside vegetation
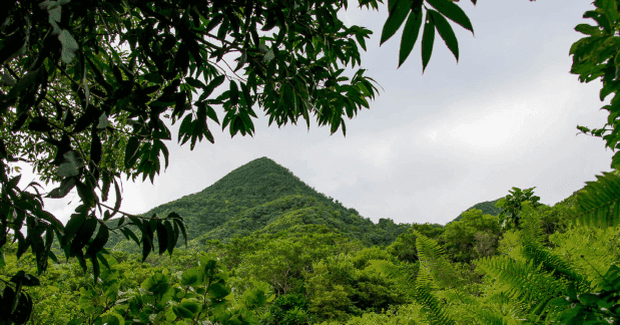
[{"x": 267, "y": 249}]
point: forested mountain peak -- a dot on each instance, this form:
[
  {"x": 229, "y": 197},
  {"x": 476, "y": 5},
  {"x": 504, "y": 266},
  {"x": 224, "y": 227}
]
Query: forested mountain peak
[
  {"x": 487, "y": 207},
  {"x": 264, "y": 196},
  {"x": 254, "y": 173}
]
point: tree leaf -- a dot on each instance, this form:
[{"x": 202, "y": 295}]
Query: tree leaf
[
  {"x": 147, "y": 243},
  {"x": 72, "y": 227},
  {"x": 234, "y": 93},
  {"x": 445, "y": 31},
  {"x": 162, "y": 237},
  {"x": 428, "y": 38},
  {"x": 130, "y": 235},
  {"x": 131, "y": 152},
  {"x": 396, "y": 18},
  {"x": 69, "y": 46},
  {"x": 25, "y": 279},
  {"x": 172, "y": 239},
  {"x": 95, "y": 147},
  {"x": 218, "y": 290},
  {"x": 410, "y": 35},
  {"x": 96, "y": 269},
  {"x": 214, "y": 83},
  {"x": 453, "y": 12},
  {"x": 194, "y": 82},
  {"x": 89, "y": 117},
  {"x": 66, "y": 185},
  {"x": 99, "y": 242},
  {"x": 182, "y": 312}
]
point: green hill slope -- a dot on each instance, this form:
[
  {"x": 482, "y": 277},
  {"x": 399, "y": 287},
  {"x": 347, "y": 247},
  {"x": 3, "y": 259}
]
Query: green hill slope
[
  {"x": 264, "y": 196},
  {"x": 487, "y": 207}
]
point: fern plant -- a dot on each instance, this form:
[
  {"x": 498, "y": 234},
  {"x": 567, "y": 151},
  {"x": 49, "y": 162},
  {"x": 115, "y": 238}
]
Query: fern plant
[
  {"x": 534, "y": 251},
  {"x": 435, "y": 313},
  {"x": 597, "y": 204}
]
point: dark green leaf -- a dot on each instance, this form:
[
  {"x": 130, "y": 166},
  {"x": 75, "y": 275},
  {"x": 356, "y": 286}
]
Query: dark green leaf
[
  {"x": 117, "y": 73},
  {"x": 23, "y": 310},
  {"x": 22, "y": 245},
  {"x": 190, "y": 277},
  {"x": 453, "y": 12},
  {"x": 162, "y": 237},
  {"x": 194, "y": 82},
  {"x": 95, "y": 147},
  {"x": 445, "y": 31},
  {"x": 147, "y": 243},
  {"x": 410, "y": 35},
  {"x": 96, "y": 270},
  {"x": 179, "y": 223},
  {"x": 87, "y": 194},
  {"x": 83, "y": 235},
  {"x": 395, "y": 19},
  {"x": 25, "y": 279},
  {"x": 130, "y": 235},
  {"x": 172, "y": 239},
  {"x": 182, "y": 312},
  {"x": 234, "y": 93},
  {"x": 218, "y": 290},
  {"x": 89, "y": 117},
  {"x": 100, "y": 240},
  {"x": 190, "y": 305},
  {"x": 215, "y": 82},
  {"x": 72, "y": 227},
  {"x": 428, "y": 38},
  {"x": 587, "y": 29},
  {"x": 131, "y": 152}
]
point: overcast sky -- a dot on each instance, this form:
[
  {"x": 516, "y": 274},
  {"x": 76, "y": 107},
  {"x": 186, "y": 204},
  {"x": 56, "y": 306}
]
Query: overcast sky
[{"x": 432, "y": 145}]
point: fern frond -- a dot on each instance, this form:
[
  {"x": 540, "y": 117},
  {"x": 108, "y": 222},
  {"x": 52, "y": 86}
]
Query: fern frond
[
  {"x": 538, "y": 254},
  {"x": 433, "y": 307},
  {"x": 402, "y": 275},
  {"x": 489, "y": 317},
  {"x": 598, "y": 204},
  {"x": 523, "y": 280},
  {"x": 468, "y": 308},
  {"x": 433, "y": 258}
]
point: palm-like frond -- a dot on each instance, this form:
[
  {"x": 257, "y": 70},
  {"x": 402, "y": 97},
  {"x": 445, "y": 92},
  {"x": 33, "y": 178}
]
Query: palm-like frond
[{"x": 598, "y": 203}]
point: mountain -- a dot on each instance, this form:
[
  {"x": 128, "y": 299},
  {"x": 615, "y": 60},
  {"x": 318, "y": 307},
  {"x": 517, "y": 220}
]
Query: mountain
[
  {"x": 487, "y": 207},
  {"x": 262, "y": 196}
]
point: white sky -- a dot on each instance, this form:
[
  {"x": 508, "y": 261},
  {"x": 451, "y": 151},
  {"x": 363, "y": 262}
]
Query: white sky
[{"x": 431, "y": 145}]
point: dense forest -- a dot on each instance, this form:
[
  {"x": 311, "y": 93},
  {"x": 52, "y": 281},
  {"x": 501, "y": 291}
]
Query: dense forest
[{"x": 271, "y": 250}]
